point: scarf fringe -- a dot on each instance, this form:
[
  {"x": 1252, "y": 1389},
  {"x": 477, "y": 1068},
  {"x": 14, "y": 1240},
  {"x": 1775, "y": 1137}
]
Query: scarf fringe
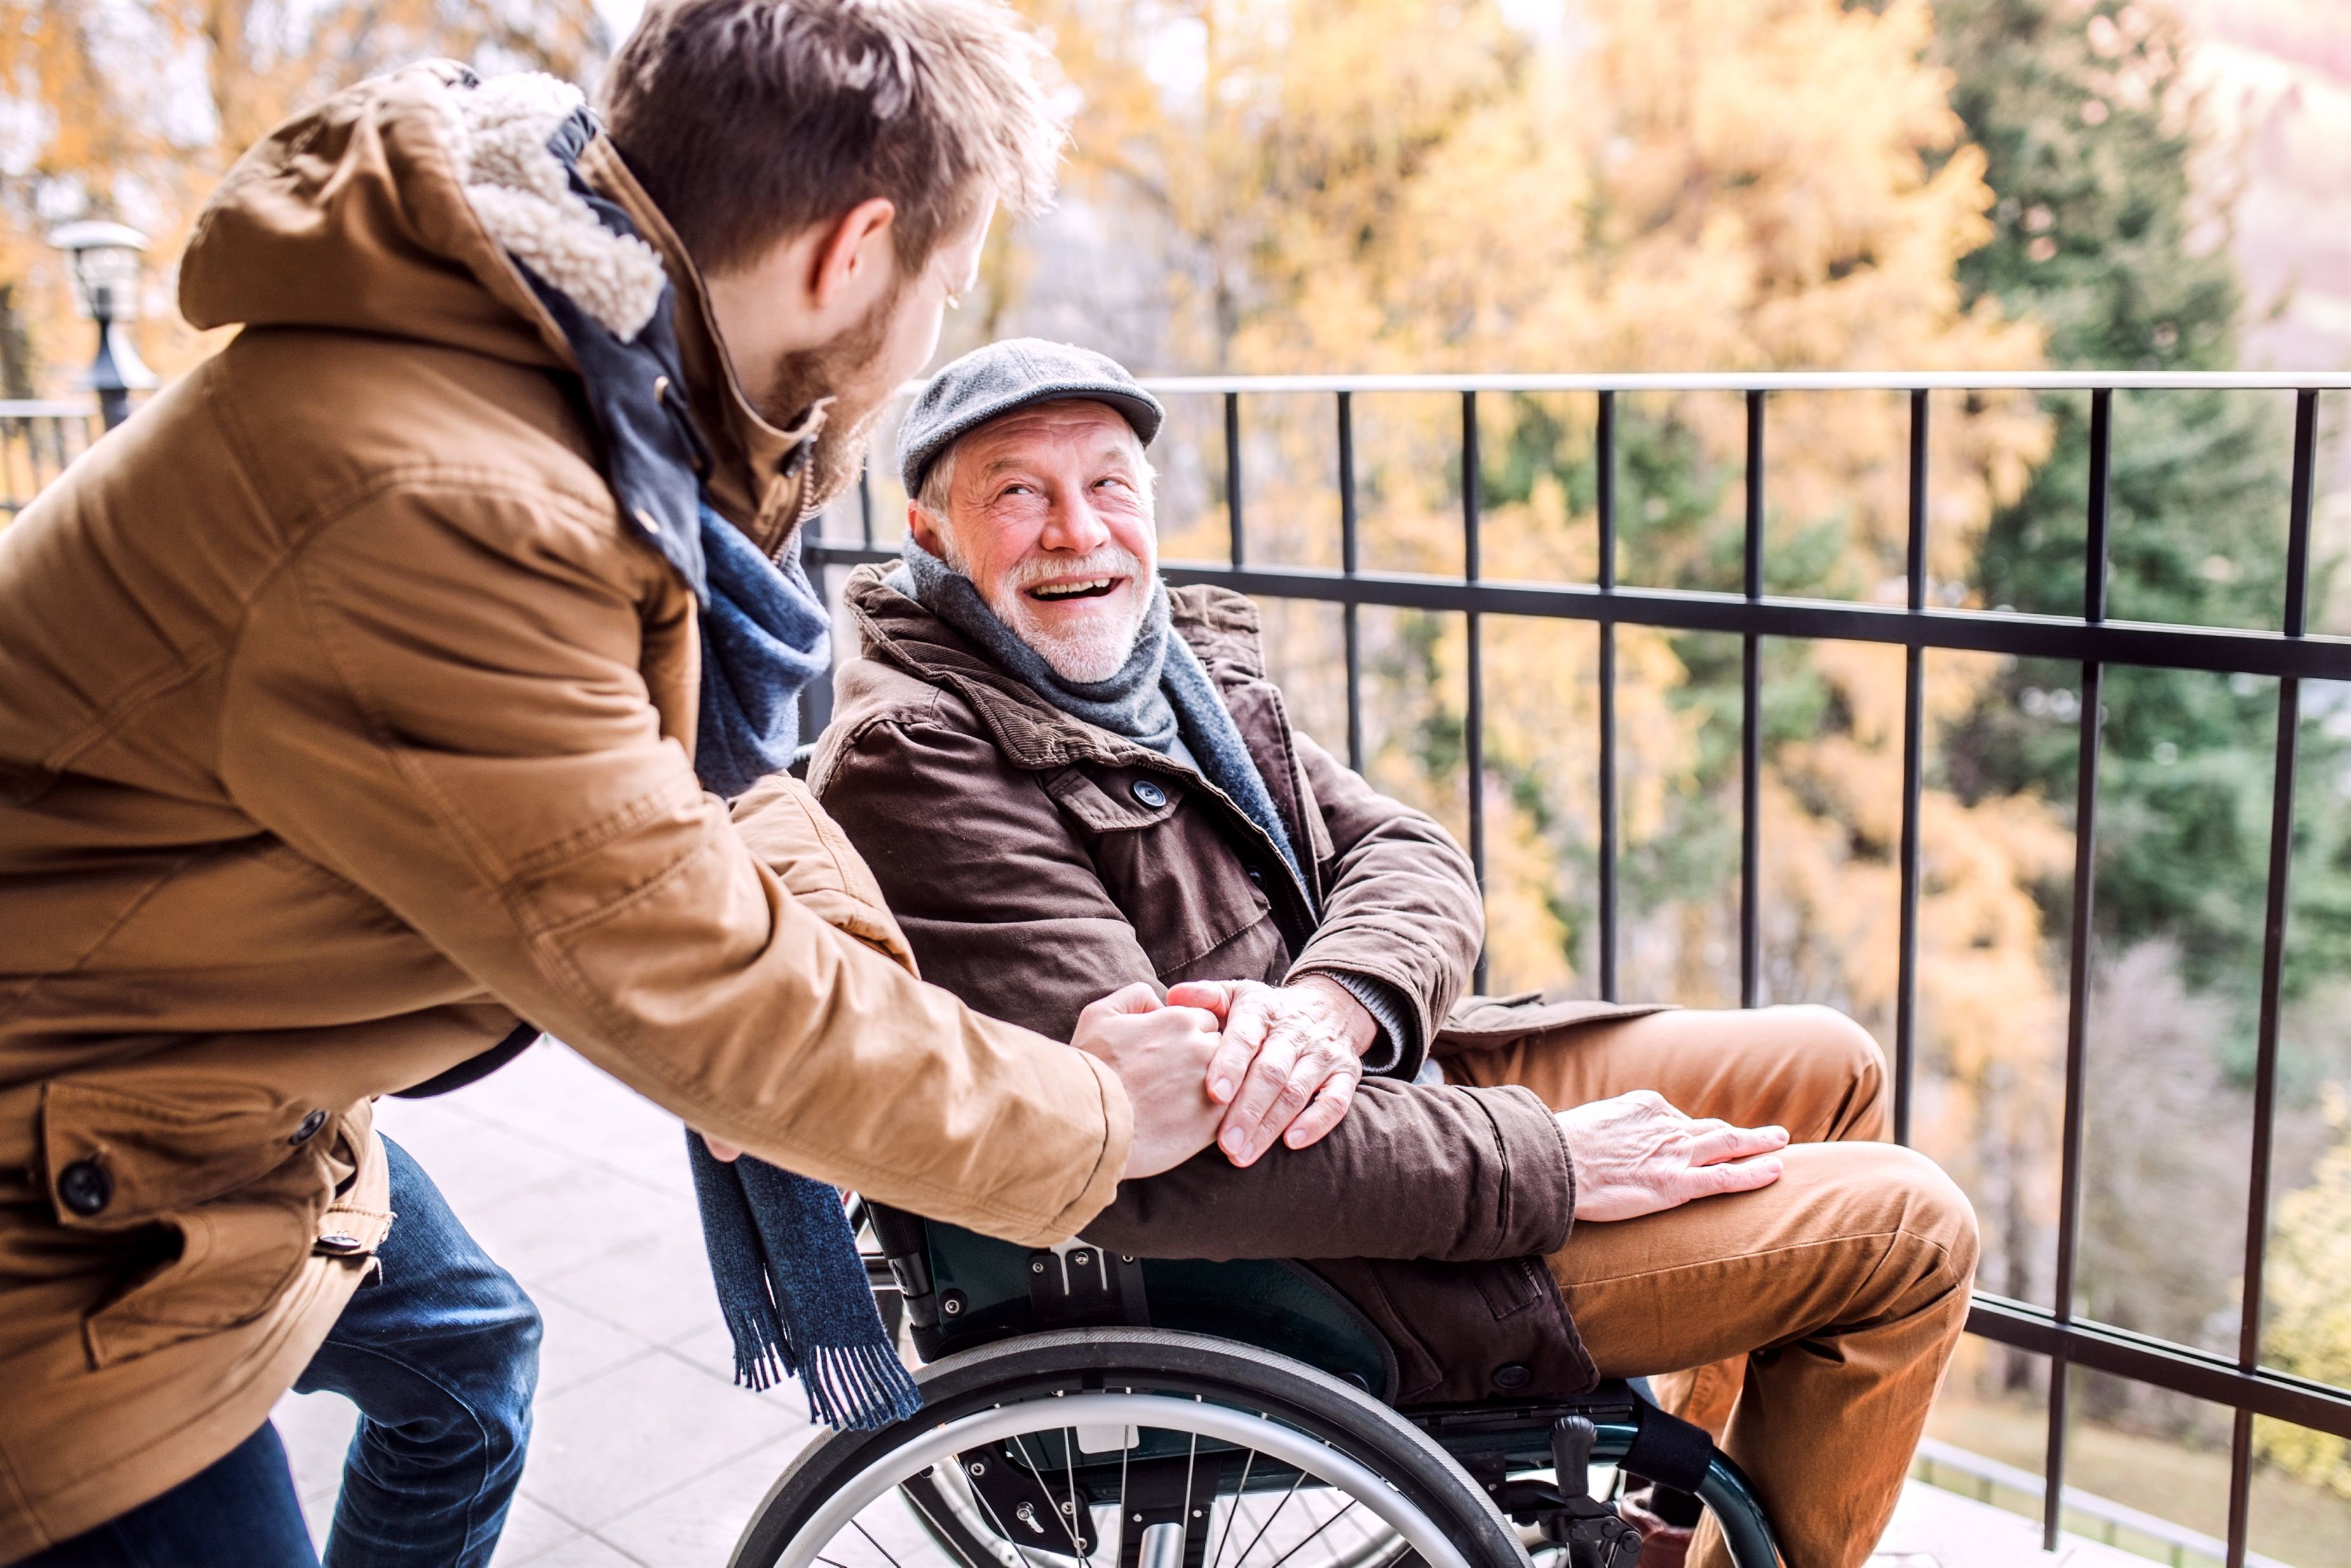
[
  {"x": 763, "y": 1358},
  {"x": 858, "y": 1387}
]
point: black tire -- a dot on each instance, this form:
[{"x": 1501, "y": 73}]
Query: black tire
[{"x": 1157, "y": 1361}]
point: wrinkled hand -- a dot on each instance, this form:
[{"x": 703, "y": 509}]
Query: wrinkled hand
[
  {"x": 1637, "y": 1154},
  {"x": 1290, "y": 1061},
  {"x": 1161, "y": 1053}
]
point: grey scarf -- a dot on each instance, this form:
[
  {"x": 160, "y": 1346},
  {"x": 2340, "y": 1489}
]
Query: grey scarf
[{"x": 1162, "y": 691}]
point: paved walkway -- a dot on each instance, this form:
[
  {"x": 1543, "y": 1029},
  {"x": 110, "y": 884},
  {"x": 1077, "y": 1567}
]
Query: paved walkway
[{"x": 646, "y": 1453}]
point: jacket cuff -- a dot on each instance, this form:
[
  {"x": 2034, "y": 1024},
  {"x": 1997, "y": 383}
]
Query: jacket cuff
[
  {"x": 1118, "y": 1132},
  {"x": 1541, "y": 1190},
  {"x": 1396, "y": 1050}
]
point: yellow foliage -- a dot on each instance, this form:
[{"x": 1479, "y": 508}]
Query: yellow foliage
[
  {"x": 1669, "y": 184},
  {"x": 2309, "y": 1289},
  {"x": 137, "y": 110}
]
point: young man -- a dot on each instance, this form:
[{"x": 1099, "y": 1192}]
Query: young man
[
  {"x": 361, "y": 705},
  {"x": 1063, "y": 773}
]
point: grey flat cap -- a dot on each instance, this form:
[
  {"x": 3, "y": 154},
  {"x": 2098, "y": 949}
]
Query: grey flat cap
[{"x": 992, "y": 382}]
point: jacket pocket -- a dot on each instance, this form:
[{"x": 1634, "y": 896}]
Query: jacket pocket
[
  {"x": 1119, "y": 800},
  {"x": 218, "y": 1208}
]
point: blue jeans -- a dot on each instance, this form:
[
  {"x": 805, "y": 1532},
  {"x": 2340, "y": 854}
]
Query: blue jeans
[{"x": 441, "y": 1355}]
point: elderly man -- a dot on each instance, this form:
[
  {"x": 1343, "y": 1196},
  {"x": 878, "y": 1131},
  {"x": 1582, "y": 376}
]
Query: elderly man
[{"x": 1065, "y": 775}]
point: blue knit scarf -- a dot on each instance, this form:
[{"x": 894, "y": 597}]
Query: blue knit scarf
[
  {"x": 791, "y": 1283},
  {"x": 1161, "y": 691}
]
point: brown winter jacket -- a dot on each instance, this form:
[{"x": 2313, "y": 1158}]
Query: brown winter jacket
[
  {"x": 342, "y": 725},
  {"x": 1034, "y": 862}
]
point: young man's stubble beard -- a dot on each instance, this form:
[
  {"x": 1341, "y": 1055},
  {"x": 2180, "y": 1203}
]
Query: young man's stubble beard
[{"x": 808, "y": 376}]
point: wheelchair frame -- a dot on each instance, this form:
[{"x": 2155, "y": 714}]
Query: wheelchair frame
[{"x": 958, "y": 1290}]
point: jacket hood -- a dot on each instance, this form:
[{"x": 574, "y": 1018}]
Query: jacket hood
[
  {"x": 396, "y": 207},
  {"x": 356, "y": 216}
]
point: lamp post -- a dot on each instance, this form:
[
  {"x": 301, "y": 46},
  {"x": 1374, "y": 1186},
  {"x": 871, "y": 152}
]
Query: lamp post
[{"x": 104, "y": 260}]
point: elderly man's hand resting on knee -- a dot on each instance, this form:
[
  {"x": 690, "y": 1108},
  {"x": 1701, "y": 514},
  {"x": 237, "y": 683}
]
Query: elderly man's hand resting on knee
[
  {"x": 1161, "y": 1054},
  {"x": 1635, "y": 1155}
]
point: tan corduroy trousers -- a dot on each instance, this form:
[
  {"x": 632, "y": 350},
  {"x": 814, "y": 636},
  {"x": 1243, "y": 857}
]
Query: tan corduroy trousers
[{"x": 1806, "y": 1324}]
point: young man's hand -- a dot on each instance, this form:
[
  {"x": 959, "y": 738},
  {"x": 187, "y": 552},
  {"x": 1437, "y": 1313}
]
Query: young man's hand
[
  {"x": 1161, "y": 1052},
  {"x": 1637, "y": 1154},
  {"x": 1290, "y": 1063}
]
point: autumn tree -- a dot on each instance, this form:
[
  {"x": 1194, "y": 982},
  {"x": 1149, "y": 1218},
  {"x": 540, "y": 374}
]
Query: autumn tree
[
  {"x": 2091, "y": 125},
  {"x": 1387, "y": 185},
  {"x": 133, "y": 109}
]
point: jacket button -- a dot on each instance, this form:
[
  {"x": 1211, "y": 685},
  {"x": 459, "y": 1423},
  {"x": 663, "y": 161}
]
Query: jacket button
[
  {"x": 85, "y": 1187},
  {"x": 1256, "y": 876},
  {"x": 1149, "y": 794},
  {"x": 310, "y": 1127},
  {"x": 340, "y": 1246},
  {"x": 1512, "y": 1374}
]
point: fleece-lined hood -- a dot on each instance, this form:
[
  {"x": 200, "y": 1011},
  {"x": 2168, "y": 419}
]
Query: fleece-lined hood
[{"x": 397, "y": 207}]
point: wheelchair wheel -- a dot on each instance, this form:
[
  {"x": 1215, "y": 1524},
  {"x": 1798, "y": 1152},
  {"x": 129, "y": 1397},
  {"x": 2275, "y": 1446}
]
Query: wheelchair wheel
[{"x": 1125, "y": 1448}]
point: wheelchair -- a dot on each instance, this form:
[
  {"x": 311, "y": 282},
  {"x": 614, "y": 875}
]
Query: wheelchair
[{"x": 1088, "y": 1410}]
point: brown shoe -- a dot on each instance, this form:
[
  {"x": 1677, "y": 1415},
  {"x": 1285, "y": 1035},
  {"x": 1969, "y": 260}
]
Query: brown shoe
[{"x": 1663, "y": 1545}]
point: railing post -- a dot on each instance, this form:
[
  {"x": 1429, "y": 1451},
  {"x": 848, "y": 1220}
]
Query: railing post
[
  {"x": 1605, "y": 460},
  {"x": 2077, "y": 1017},
  {"x": 1914, "y": 687},
  {"x": 1474, "y": 724},
  {"x": 1750, "y": 725},
  {"x": 1348, "y": 561},
  {"x": 1233, "y": 479},
  {"x": 2295, "y": 622}
]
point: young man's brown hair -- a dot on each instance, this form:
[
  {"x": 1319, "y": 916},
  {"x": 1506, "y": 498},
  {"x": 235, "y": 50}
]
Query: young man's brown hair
[{"x": 749, "y": 120}]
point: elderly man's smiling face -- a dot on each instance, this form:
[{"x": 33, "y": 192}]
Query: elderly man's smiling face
[{"x": 1048, "y": 512}]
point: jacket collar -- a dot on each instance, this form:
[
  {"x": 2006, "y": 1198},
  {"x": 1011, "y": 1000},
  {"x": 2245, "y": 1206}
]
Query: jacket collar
[
  {"x": 757, "y": 472},
  {"x": 1221, "y": 627}
]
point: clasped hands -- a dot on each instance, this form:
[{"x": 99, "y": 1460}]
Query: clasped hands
[
  {"x": 1236, "y": 1062},
  {"x": 1240, "y": 1064}
]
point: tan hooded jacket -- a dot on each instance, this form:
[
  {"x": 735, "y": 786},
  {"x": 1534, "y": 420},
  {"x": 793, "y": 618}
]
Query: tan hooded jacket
[{"x": 343, "y": 723}]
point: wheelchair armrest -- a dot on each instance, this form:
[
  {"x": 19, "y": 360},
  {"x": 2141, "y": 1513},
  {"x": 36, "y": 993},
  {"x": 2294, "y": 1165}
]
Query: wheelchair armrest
[{"x": 906, "y": 1246}]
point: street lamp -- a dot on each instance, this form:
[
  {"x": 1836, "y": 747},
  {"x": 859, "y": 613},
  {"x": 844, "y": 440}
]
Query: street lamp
[{"x": 104, "y": 260}]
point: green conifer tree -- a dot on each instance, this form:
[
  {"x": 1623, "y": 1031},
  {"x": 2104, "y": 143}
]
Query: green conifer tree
[{"x": 2090, "y": 127}]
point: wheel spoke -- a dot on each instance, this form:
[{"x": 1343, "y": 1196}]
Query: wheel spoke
[
  {"x": 877, "y": 1545},
  {"x": 1006, "y": 1535},
  {"x": 851, "y": 1500},
  {"x": 1233, "y": 1512},
  {"x": 1069, "y": 1525},
  {"x": 1070, "y": 1464},
  {"x": 1269, "y": 1518},
  {"x": 938, "y": 1527},
  {"x": 1318, "y": 1529}
]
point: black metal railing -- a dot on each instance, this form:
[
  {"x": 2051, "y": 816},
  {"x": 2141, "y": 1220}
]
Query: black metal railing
[
  {"x": 2092, "y": 640},
  {"x": 37, "y": 441}
]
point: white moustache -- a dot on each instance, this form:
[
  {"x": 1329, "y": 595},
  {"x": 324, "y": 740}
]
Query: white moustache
[{"x": 1109, "y": 561}]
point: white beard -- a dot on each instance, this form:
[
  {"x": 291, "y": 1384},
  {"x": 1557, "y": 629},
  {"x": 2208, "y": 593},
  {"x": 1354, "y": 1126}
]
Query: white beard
[
  {"x": 1086, "y": 655},
  {"x": 1083, "y": 656}
]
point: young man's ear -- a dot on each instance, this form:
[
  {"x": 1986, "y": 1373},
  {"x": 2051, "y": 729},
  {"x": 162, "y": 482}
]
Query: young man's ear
[{"x": 848, "y": 255}]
